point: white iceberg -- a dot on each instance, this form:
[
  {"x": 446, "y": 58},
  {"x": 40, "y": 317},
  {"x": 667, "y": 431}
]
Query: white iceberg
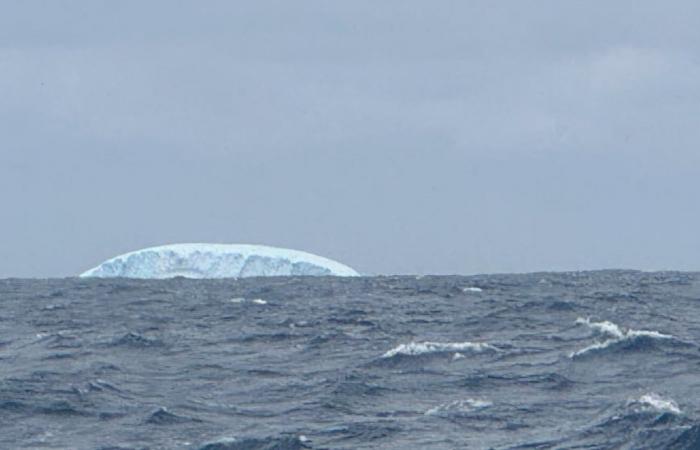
[{"x": 217, "y": 261}]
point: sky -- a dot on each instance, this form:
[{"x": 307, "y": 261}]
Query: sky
[{"x": 398, "y": 137}]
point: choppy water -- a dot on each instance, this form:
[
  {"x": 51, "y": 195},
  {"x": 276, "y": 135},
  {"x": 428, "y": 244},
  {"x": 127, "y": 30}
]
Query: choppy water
[{"x": 597, "y": 360}]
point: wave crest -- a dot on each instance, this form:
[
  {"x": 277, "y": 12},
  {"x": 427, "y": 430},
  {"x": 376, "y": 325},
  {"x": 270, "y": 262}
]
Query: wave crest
[
  {"x": 458, "y": 407},
  {"x": 657, "y": 403},
  {"x": 422, "y": 348},
  {"x": 616, "y": 333}
]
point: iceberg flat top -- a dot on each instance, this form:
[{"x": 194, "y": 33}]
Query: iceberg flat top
[{"x": 217, "y": 261}]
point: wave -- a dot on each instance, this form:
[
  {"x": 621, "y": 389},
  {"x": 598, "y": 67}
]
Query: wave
[
  {"x": 270, "y": 443},
  {"x": 350, "y": 393},
  {"x": 458, "y": 407},
  {"x": 472, "y": 289},
  {"x": 162, "y": 416},
  {"x": 649, "y": 421},
  {"x": 547, "y": 380},
  {"x": 656, "y": 403},
  {"x": 369, "y": 432},
  {"x": 135, "y": 340},
  {"x": 422, "y": 348},
  {"x": 617, "y": 335},
  {"x": 257, "y": 301},
  {"x": 60, "y": 408},
  {"x": 688, "y": 439}
]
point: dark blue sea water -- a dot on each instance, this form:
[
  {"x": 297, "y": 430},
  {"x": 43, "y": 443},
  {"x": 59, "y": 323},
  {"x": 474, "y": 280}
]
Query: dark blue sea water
[{"x": 596, "y": 360}]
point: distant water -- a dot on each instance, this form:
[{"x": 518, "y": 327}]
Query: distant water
[{"x": 597, "y": 360}]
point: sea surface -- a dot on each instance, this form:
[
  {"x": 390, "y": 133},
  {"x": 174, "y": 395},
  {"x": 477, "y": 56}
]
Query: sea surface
[{"x": 585, "y": 360}]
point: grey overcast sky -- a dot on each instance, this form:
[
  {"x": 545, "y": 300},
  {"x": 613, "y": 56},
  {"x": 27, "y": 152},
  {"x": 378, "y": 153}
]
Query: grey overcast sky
[{"x": 394, "y": 136}]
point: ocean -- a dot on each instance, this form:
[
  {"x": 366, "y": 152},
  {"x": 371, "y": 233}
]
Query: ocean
[{"x": 581, "y": 360}]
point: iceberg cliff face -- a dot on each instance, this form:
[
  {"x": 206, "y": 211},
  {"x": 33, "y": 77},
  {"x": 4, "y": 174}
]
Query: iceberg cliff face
[{"x": 217, "y": 261}]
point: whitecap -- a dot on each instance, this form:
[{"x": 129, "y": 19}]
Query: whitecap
[
  {"x": 458, "y": 407},
  {"x": 221, "y": 442},
  {"x": 617, "y": 335},
  {"x": 472, "y": 289},
  {"x": 257, "y": 301},
  {"x": 421, "y": 348},
  {"x": 605, "y": 327},
  {"x": 657, "y": 403}
]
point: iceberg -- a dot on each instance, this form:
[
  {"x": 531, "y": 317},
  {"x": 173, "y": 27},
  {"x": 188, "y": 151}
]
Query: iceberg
[{"x": 217, "y": 261}]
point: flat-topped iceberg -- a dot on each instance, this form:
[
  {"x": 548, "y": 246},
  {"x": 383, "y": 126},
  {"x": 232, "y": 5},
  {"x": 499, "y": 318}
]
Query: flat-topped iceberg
[{"x": 217, "y": 261}]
